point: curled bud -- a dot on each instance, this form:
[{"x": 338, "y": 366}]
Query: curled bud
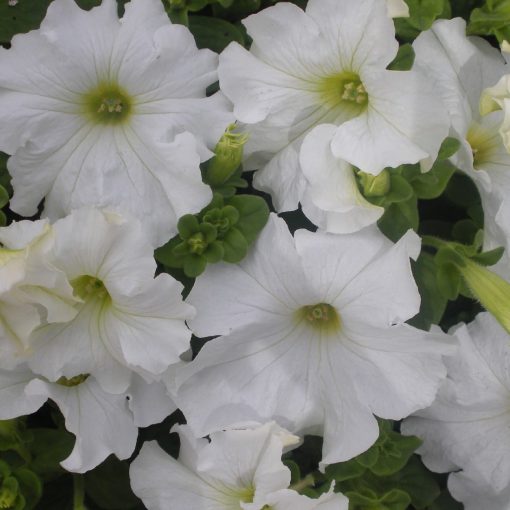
[
  {"x": 490, "y": 289},
  {"x": 228, "y": 156},
  {"x": 375, "y": 185}
]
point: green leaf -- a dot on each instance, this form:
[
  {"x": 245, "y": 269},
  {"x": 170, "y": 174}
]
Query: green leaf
[
  {"x": 404, "y": 59},
  {"x": 445, "y": 502},
  {"x": 295, "y": 472},
  {"x": 344, "y": 470},
  {"x": 49, "y": 448},
  {"x": 253, "y": 215},
  {"x": 188, "y": 225},
  {"x": 394, "y": 454},
  {"x": 400, "y": 190},
  {"x": 422, "y": 14},
  {"x": 399, "y": 218},
  {"x": 493, "y": 18},
  {"x": 433, "y": 183},
  {"x": 369, "y": 458},
  {"x": 30, "y": 487},
  {"x": 368, "y": 500},
  {"x": 237, "y": 9},
  {"x": 214, "y": 33},
  {"x": 464, "y": 231},
  {"x": 194, "y": 265},
  {"x": 433, "y": 303},
  {"x": 235, "y": 246},
  {"x": 171, "y": 256},
  {"x": 108, "y": 485},
  {"x": 214, "y": 252},
  {"x": 4, "y": 197}
]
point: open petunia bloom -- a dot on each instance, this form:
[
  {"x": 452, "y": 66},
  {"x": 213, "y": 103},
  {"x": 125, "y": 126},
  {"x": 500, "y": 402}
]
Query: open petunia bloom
[
  {"x": 103, "y": 422},
  {"x": 462, "y": 67},
  {"x": 32, "y": 291},
  {"x": 327, "y": 65},
  {"x": 107, "y": 112},
  {"x": 126, "y": 320},
  {"x": 314, "y": 337},
  {"x": 467, "y": 426},
  {"x": 236, "y": 470}
]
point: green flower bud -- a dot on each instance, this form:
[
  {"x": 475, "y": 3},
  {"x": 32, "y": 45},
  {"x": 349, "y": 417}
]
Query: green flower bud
[
  {"x": 375, "y": 185},
  {"x": 228, "y": 157},
  {"x": 490, "y": 289}
]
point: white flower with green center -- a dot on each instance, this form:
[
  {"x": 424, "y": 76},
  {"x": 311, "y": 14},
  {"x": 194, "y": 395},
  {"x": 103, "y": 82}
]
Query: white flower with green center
[
  {"x": 236, "y": 470},
  {"x": 102, "y": 422},
  {"x": 397, "y": 9},
  {"x": 32, "y": 291},
  {"x": 467, "y": 426},
  {"x": 107, "y": 112},
  {"x": 314, "y": 337},
  {"x": 126, "y": 320},
  {"x": 462, "y": 68},
  {"x": 327, "y": 65}
]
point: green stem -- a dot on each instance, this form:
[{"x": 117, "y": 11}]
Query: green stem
[
  {"x": 79, "y": 492},
  {"x": 433, "y": 241},
  {"x": 307, "y": 481}
]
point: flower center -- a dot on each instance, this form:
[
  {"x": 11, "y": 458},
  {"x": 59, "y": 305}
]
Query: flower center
[
  {"x": 484, "y": 143},
  {"x": 89, "y": 287},
  {"x": 73, "y": 381},
  {"x": 108, "y": 104},
  {"x": 344, "y": 89},
  {"x": 321, "y": 316}
]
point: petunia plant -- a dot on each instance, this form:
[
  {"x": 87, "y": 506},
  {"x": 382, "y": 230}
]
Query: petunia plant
[{"x": 254, "y": 254}]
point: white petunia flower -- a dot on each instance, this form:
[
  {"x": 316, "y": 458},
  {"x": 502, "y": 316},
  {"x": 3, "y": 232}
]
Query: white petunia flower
[
  {"x": 476, "y": 495},
  {"x": 126, "y": 320},
  {"x": 237, "y": 469},
  {"x": 32, "y": 292},
  {"x": 467, "y": 426},
  {"x": 314, "y": 338},
  {"x": 102, "y": 422},
  {"x": 99, "y": 111},
  {"x": 397, "y": 9},
  {"x": 462, "y": 68},
  {"x": 327, "y": 65},
  {"x": 332, "y": 199}
]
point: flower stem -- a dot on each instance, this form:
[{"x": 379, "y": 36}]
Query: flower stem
[
  {"x": 307, "y": 481},
  {"x": 79, "y": 493}
]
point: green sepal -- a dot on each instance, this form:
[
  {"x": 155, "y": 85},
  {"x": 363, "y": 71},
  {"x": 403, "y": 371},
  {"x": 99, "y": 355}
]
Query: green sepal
[
  {"x": 253, "y": 215},
  {"x": 187, "y": 226},
  {"x": 464, "y": 231},
  {"x": 194, "y": 265},
  {"x": 235, "y": 246},
  {"x": 448, "y": 148},
  {"x": 449, "y": 254},
  {"x": 214, "y": 252},
  {"x": 433, "y": 183},
  {"x": 404, "y": 60},
  {"x": 295, "y": 472},
  {"x": 448, "y": 281},
  {"x": 214, "y": 33},
  {"x": 433, "y": 303},
  {"x": 489, "y": 258},
  {"x": 400, "y": 191}
]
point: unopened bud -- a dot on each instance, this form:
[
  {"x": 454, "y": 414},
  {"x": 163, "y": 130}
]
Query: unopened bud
[
  {"x": 375, "y": 185},
  {"x": 228, "y": 156},
  {"x": 490, "y": 289}
]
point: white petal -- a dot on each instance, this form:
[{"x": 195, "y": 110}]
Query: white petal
[
  {"x": 405, "y": 122},
  {"x": 14, "y": 401},
  {"x": 475, "y": 494},
  {"x": 332, "y": 187},
  {"x": 267, "y": 286},
  {"x": 291, "y": 500},
  {"x": 101, "y": 422}
]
